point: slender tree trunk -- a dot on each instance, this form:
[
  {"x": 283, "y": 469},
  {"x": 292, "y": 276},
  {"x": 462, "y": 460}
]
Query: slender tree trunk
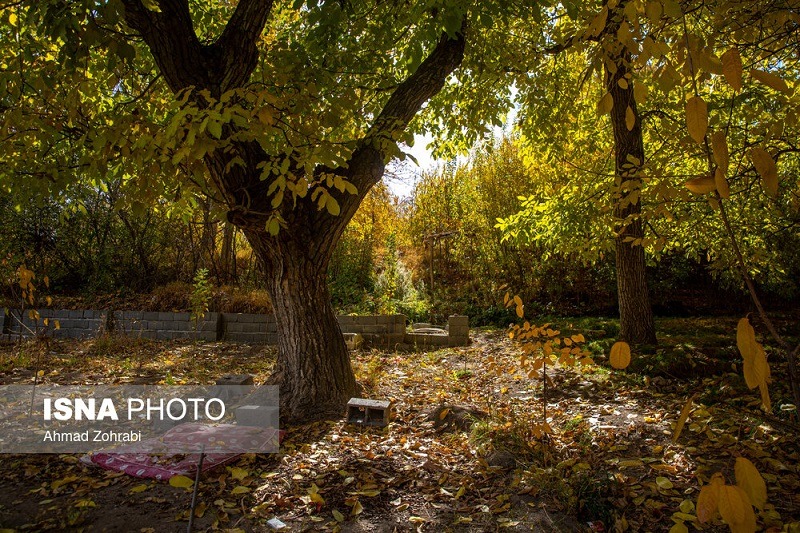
[
  {"x": 313, "y": 369},
  {"x": 635, "y": 314},
  {"x": 227, "y": 259}
]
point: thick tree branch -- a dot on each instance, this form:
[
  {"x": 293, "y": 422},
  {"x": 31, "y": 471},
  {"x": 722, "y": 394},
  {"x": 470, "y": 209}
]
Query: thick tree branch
[
  {"x": 421, "y": 86},
  {"x": 367, "y": 163},
  {"x": 184, "y": 60},
  {"x": 237, "y": 45},
  {"x": 171, "y": 38}
]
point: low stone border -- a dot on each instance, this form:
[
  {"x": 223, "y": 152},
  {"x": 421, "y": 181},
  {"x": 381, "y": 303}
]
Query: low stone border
[{"x": 376, "y": 330}]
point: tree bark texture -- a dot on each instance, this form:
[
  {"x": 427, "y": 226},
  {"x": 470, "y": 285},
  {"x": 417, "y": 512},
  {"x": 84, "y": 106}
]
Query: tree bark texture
[
  {"x": 635, "y": 313},
  {"x": 313, "y": 368}
]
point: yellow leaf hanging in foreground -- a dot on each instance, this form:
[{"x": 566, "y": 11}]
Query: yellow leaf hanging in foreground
[
  {"x": 620, "y": 356},
  {"x": 750, "y": 481},
  {"x": 697, "y": 118}
]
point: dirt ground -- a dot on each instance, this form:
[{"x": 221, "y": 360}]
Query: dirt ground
[{"x": 463, "y": 452}]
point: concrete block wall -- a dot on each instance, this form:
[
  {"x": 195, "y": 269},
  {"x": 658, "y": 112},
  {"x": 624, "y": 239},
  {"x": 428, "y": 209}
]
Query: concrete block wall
[
  {"x": 377, "y": 330},
  {"x": 455, "y": 334},
  {"x": 252, "y": 328}
]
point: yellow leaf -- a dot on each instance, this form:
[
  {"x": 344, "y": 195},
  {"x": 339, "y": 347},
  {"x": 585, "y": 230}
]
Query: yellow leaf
[
  {"x": 520, "y": 309},
  {"x": 460, "y": 492},
  {"x": 238, "y": 473},
  {"x": 748, "y": 524},
  {"x": 137, "y": 488},
  {"x": 702, "y": 185},
  {"x": 750, "y": 481},
  {"x": 605, "y": 105},
  {"x": 721, "y": 183},
  {"x": 630, "y": 118},
  {"x": 687, "y": 408},
  {"x": 653, "y": 10},
  {"x": 697, "y": 118},
  {"x": 771, "y": 80},
  {"x": 640, "y": 93},
  {"x": 664, "y": 483},
  {"x": 731, "y": 505},
  {"x": 756, "y": 368},
  {"x": 444, "y": 413},
  {"x": 240, "y": 489},
  {"x": 332, "y": 206},
  {"x": 765, "y": 401},
  {"x": 598, "y": 23},
  {"x": 746, "y": 339},
  {"x": 708, "y": 500},
  {"x": 357, "y": 509},
  {"x": 679, "y": 528},
  {"x": 182, "y": 482},
  {"x": 12, "y": 19},
  {"x": 620, "y": 356},
  {"x": 719, "y": 146},
  {"x": 767, "y": 169},
  {"x": 339, "y": 517},
  {"x": 687, "y": 506},
  {"x": 85, "y": 503},
  {"x": 732, "y": 68},
  {"x": 200, "y": 510}
]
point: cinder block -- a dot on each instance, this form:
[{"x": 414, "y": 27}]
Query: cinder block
[
  {"x": 458, "y": 320},
  {"x": 425, "y": 339},
  {"x": 345, "y": 319},
  {"x": 394, "y": 339},
  {"x": 208, "y": 336},
  {"x": 384, "y": 319},
  {"x": 234, "y": 327},
  {"x": 353, "y": 340},
  {"x": 377, "y": 329},
  {"x": 151, "y": 315},
  {"x": 271, "y": 338},
  {"x": 457, "y": 341},
  {"x": 181, "y": 317},
  {"x": 459, "y": 331},
  {"x": 165, "y": 317},
  {"x": 368, "y": 412},
  {"x": 232, "y": 317}
]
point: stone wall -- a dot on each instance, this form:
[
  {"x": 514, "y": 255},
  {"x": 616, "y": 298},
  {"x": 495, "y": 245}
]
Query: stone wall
[{"x": 377, "y": 330}]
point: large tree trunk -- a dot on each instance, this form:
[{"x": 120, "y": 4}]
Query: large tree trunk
[
  {"x": 635, "y": 314},
  {"x": 313, "y": 368}
]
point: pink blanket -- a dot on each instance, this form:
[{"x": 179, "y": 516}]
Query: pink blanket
[{"x": 153, "y": 459}]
